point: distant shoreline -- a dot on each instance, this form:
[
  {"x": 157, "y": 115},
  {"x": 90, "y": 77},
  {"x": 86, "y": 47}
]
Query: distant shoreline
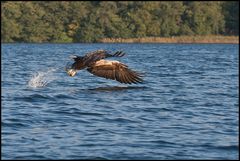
[
  {"x": 176, "y": 39},
  {"x": 212, "y": 39}
]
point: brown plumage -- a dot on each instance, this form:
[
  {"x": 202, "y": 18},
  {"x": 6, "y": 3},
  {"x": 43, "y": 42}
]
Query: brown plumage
[{"x": 96, "y": 64}]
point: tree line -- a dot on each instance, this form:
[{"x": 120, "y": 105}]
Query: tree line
[{"x": 90, "y": 21}]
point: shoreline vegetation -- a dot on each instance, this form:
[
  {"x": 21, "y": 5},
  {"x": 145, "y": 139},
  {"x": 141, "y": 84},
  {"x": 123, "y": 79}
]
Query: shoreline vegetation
[
  {"x": 120, "y": 21},
  {"x": 210, "y": 39},
  {"x": 177, "y": 39}
]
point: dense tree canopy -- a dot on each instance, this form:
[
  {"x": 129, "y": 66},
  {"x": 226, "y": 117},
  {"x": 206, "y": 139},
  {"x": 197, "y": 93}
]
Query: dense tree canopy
[{"x": 90, "y": 21}]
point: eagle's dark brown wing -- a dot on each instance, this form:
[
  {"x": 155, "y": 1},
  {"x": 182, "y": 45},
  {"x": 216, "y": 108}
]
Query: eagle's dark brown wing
[
  {"x": 116, "y": 71},
  {"x": 92, "y": 57},
  {"x": 81, "y": 62}
]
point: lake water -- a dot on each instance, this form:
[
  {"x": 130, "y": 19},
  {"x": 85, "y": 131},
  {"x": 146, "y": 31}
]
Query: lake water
[{"x": 187, "y": 107}]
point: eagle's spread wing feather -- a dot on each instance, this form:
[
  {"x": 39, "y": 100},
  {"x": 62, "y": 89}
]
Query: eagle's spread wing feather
[
  {"x": 92, "y": 57},
  {"x": 115, "y": 70}
]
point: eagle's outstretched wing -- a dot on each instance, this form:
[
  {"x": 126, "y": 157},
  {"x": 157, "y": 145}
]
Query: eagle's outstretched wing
[
  {"x": 92, "y": 57},
  {"x": 116, "y": 71}
]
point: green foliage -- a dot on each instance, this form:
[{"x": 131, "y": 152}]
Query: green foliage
[
  {"x": 10, "y": 28},
  {"x": 204, "y": 17},
  {"x": 231, "y": 13},
  {"x": 90, "y": 21}
]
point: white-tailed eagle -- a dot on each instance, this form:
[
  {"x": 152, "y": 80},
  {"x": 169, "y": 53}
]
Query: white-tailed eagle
[{"x": 96, "y": 64}]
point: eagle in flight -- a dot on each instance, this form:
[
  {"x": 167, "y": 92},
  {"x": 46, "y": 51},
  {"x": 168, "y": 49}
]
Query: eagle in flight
[{"x": 96, "y": 64}]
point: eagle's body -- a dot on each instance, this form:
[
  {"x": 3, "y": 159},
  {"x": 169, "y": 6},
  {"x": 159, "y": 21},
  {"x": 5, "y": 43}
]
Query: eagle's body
[{"x": 96, "y": 64}]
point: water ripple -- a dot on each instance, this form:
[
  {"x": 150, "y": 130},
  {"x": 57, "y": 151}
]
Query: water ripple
[{"x": 187, "y": 107}]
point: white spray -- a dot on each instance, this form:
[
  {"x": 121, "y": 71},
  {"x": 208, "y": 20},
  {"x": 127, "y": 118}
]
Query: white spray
[{"x": 41, "y": 79}]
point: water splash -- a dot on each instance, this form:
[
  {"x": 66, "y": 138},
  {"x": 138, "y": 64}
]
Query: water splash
[{"x": 41, "y": 79}]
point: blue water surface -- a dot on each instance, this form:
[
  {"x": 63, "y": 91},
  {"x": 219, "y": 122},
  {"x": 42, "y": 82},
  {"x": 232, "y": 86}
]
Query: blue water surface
[{"x": 187, "y": 107}]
